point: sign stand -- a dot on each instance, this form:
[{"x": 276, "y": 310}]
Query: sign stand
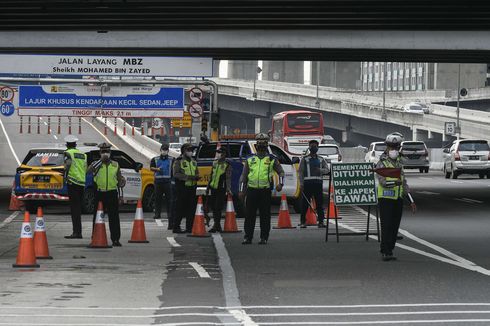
[{"x": 337, "y": 233}]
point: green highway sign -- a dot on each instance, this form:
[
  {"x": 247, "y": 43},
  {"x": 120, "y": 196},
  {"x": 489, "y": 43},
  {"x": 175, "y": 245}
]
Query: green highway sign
[{"x": 353, "y": 184}]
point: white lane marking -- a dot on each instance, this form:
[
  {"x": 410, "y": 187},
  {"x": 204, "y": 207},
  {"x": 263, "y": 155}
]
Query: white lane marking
[
  {"x": 232, "y": 296},
  {"x": 9, "y": 219},
  {"x": 9, "y": 143},
  {"x": 470, "y": 266},
  {"x": 430, "y": 193},
  {"x": 159, "y": 222},
  {"x": 454, "y": 181},
  {"x": 473, "y": 200},
  {"x": 104, "y": 136},
  {"x": 45, "y": 123},
  {"x": 172, "y": 242},
  {"x": 55, "y": 137},
  {"x": 200, "y": 270}
]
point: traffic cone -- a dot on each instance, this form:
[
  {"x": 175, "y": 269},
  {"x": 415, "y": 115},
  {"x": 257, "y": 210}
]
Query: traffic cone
[
  {"x": 230, "y": 217},
  {"x": 333, "y": 212},
  {"x": 284, "y": 219},
  {"x": 14, "y": 204},
  {"x": 26, "y": 256},
  {"x": 40, "y": 239},
  {"x": 310, "y": 214},
  {"x": 99, "y": 235},
  {"x": 198, "y": 228},
  {"x": 138, "y": 235}
]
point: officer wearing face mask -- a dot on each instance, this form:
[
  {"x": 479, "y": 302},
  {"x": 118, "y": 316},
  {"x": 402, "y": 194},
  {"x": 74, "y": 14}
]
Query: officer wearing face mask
[
  {"x": 311, "y": 169},
  {"x": 256, "y": 182},
  {"x": 108, "y": 178},
  {"x": 162, "y": 167},
  {"x": 391, "y": 192},
  {"x": 186, "y": 176},
  {"x": 220, "y": 185}
]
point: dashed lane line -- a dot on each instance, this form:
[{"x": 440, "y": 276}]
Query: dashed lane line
[
  {"x": 172, "y": 242},
  {"x": 9, "y": 219},
  {"x": 200, "y": 270}
]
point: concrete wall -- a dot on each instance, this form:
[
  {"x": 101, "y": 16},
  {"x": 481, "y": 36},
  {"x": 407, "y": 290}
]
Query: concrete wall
[
  {"x": 472, "y": 75},
  {"x": 346, "y": 75},
  {"x": 283, "y": 71},
  {"x": 242, "y": 69}
]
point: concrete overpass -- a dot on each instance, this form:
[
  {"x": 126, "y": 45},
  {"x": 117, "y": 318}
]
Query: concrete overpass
[{"x": 354, "y": 113}]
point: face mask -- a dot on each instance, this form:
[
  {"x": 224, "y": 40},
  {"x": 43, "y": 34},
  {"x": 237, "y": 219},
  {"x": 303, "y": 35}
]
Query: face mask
[
  {"x": 313, "y": 150},
  {"x": 188, "y": 154},
  {"x": 222, "y": 155},
  {"x": 164, "y": 153},
  {"x": 393, "y": 154},
  {"x": 261, "y": 147},
  {"x": 105, "y": 156}
]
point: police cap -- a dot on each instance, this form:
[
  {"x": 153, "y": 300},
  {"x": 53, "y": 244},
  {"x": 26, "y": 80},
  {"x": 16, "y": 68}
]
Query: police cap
[
  {"x": 104, "y": 146},
  {"x": 71, "y": 139}
]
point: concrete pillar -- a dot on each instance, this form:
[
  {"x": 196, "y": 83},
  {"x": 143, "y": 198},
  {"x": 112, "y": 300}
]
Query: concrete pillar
[
  {"x": 241, "y": 69},
  {"x": 283, "y": 71},
  {"x": 419, "y": 134},
  {"x": 337, "y": 74},
  {"x": 216, "y": 68}
]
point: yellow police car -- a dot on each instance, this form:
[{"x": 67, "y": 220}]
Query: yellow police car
[{"x": 40, "y": 178}]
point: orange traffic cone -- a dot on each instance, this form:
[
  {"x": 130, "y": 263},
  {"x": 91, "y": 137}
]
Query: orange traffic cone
[
  {"x": 99, "y": 235},
  {"x": 138, "y": 234},
  {"x": 284, "y": 219},
  {"x": 40, "y": 239},
  {"x": 198, "y": 228},
  {"x": 230, "y": 217},
  {"x": 14, "y": 204},
  {"x": 333, "y": 212},
  {"x": 26, "y": 256},
  {"x": 310, "y": 214}
]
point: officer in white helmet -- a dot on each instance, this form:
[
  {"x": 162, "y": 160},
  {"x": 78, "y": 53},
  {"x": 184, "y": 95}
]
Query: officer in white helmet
[
  {"x": 392, "y": 189},
  {"x": 75, "y": 170}
]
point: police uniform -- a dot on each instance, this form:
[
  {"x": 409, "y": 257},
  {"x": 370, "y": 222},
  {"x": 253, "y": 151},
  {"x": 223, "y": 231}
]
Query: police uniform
[
  {"x": 391, "y": 192},
  {"x": 311, "y": 169},
  {"x": 76, "y": 167},
  {"x": 186, "y": 175},
  {"x": 219, "y": 184},
  {"x": 163, "y": 166},
  {"x": 108, "y": 178},
  {"x": 257, "y": 179}
]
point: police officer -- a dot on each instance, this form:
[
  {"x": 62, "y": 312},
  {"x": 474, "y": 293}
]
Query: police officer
[
  {"x": 220, "y": 186},
  {"x": 108, "y": 178},
  {"x": 186, "y": 175},
  {"x": 75, "y": 170},
  {"x": 391, "y": 191},
  {"x": 162, "y": 166},
  {"x": 311, "y": 169},
  {"x": 256, "y": 182}
]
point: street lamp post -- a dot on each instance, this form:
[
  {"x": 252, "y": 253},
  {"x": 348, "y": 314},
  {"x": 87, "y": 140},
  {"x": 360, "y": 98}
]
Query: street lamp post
[
  {"x": 383, "y": 114},
  {"x": 317, "y": 103},
  {"x": 458, "y": 127}
]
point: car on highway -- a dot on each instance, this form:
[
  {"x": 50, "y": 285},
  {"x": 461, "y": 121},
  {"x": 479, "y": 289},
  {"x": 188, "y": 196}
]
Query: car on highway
[
  {"x": 40, "y": 178},
  {"x": 237, "y": 152},
  {"x": 467, "y": 156},
  {"x": 175, "y": 147},
  {"x": 413, "y": 108},
  {"x": 374, "y": 152},
  {"x": 414, "y": 155}
]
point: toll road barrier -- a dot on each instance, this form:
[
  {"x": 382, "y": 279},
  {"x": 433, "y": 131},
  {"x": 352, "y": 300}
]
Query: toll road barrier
[
  {"x": 311, "y": 214},
  {"x": 26, "y": 256},
  {"x": 284, "y": 219},
  {"x": 138, "y": 235},
  {"x": 99, "y": 234},
  {"x": 230, "y": 217},
  {"x": 198, "y": 227},
  {"x": 41, "y": 247}
]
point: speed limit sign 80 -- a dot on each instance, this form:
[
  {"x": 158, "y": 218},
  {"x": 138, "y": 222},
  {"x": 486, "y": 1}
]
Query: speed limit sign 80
[{"x": 6, "y": 94}]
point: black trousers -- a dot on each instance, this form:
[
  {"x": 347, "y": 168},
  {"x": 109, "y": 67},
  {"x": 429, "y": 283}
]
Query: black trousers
[
  {"x": 75, "y": 192},
  {"x": 217, "y": 202},
  {"x": 186, "y": 206},
  {"x": 313, "y": 190},
  {"x": 110, "y": 202},
  {"x": 390, "y": 211},
  {"x": 164, "y": 189},
  {"x": 261, "y": 199}
]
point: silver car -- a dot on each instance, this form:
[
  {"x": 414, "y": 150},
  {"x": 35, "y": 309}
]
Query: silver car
[
  {"x": 414, "y": 155},
  {"x": 374, "y": 152},
  {"x": 467, "y": 157}
]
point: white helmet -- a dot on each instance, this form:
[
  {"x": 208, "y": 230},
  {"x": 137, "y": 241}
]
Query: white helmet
[
  {"x": 71, "y": 139},
  {"x": 394, "y": 139}
]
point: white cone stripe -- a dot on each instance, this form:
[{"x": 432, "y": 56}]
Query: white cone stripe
[
  {"x": 26, "y": 231},
  {"x": 229, "y": 207},
  {"x": 40, "y": 225},
  {"x": 199, "y": 210},
  {"x": 139, "y": 214},
  {"x": 99, "y": 217},
  {"x": 284, "y": 205}
]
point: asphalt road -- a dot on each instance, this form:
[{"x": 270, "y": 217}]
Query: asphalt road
[{"x": 441, "y": 275}]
